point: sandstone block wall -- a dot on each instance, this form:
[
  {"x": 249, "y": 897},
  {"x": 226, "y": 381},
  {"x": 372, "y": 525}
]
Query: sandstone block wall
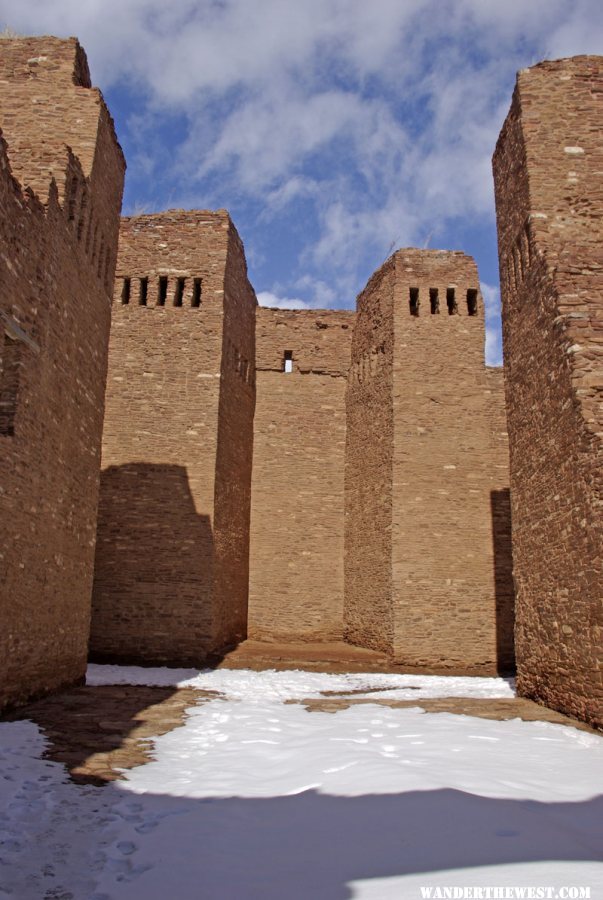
[
  {"x": 173, "y": 531},
  {"x": 297, "y": 518},
  {"x": 548, "y": 169},
  {"x": 450, "y": 462},
  {"x": 368, "y": 611},
  {"x": 427, "y": 559},
  {"x": 55, "y": 317}
]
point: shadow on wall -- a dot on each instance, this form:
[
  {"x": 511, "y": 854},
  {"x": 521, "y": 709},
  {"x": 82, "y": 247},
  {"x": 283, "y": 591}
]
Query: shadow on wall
[
  {"x": 500, "y": 502},
  {"x": 153, "y": 574}
]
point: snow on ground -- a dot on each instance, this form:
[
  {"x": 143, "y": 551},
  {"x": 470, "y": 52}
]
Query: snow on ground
[
  {"x": 259, "y": 799},
  {"x": 243, "y": 684}
]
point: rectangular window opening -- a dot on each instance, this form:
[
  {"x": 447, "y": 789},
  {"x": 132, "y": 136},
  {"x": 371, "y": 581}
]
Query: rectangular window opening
[
  {"x": 196, "y": 300},
  {"x": 162, "y": 292},
  {"x": 125, "y": 291},
  {"x": 144, "y": 291},
  {"x": 10, "y": 369},
  {"x": 472, "y": 301},
  {"x": 451, "y": 301},
  {"x": 288, "y": 361},
  {"x": 413, "y": 301},
  {"x": 179, "y": 293},
  {"x": 434, "y": 301}
]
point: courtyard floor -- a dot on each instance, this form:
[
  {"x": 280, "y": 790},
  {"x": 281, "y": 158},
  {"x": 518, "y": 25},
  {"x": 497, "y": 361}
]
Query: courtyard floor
[{"x": 293, "y": 785}]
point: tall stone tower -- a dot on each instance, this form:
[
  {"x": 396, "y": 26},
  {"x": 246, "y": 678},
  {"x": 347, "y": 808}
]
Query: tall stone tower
[
  {"x": 427, "y": 553},
  {"x": 172, "y": 560},
  {"x": 548, "y": 171},
  {"x": 61, "y": 180}
]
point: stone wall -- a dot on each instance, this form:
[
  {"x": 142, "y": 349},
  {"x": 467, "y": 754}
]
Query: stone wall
[
  {"x": 368, "y": 468},
  {"x": 173, "y": 531},
  {"x": 297, "y": 520},
  {"x": 450, "y": 465},
  {"x": 547, "y": 168},
  {"x": 427, "y": 556},
  {"x": 55, "y": 314}
]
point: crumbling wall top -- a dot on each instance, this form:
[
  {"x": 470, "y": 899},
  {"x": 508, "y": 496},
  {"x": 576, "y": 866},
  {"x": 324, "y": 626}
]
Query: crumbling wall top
[{"x": 27, "y": 59}]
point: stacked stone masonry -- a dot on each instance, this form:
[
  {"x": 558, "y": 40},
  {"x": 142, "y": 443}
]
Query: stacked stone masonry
[
  {"x": 171, "y": 578},
  {"x": 548, "y": 170},
  {"x": 428, "y": 569},
  {"x": 297, "y": 515},
  {"x": 61, "y": 179},
  {"x": 305, "y": 475}
]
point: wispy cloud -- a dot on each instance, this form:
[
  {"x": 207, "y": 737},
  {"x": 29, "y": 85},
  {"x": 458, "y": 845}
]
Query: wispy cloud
[{"x": 334, "y": 130}]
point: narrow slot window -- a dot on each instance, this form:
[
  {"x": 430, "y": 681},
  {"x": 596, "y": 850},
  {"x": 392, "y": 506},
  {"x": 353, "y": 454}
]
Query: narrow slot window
[
  {"x": 288, "y": 361},
  {"x": 528, "y": 244},
  {"x": 196, "y": 300},
  {"x": 434, "y": 301},
  {"x": 72, "y": 197},
  {"x": 125, "y": 291},
  {"x": 82, "y": 219},
  {"x": 10, "y": 370},
  {"x": 413, "y": 301},
  {"x": 144, "y": 291},
  {"x": 472, "y": 301},
  {"x": 179, "y": 293},
  {"x": 451, "y": 301},
  {"x": 162, "y": 293},
  {"x": 101, "y": 258}
]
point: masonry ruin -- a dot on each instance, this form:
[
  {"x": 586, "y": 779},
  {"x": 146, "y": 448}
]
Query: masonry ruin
[
  {"x": 61, "y": 180},
  {"x": 548, "y": 172},
  {"x": 327, "y": 477}
]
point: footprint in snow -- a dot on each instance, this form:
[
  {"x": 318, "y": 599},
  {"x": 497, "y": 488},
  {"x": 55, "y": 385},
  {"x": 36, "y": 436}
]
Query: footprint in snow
[{"x": 126, "y": 847}]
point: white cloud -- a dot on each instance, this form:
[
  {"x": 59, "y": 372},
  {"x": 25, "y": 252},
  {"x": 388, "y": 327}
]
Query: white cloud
[
  {"x": 381, "y": 117},
  {"x": 267, "y": 298}
]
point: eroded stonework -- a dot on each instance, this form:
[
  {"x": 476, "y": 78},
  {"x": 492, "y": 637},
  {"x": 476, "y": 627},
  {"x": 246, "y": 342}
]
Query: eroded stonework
[
  {"x": 368, "y": 450},
  {"x": 548, "y": 170},
  {"x": 305, "y": 478},
  {"x": 61, "y": 179}
]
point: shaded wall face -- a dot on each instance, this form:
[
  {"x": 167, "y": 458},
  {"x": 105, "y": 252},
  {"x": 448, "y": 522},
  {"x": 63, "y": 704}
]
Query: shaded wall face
[
  {"x": 148, "y": 511},
  {"x": 368, "y": 469},
  {"x": 297, "y": 514},
  {"x": 234, "y": 452},
  {"x": 54, "y": 294},
  {"x": 163, "y": 396},
  {"x": 547, "y": 169},
  {"x": 450, "y": 469}
]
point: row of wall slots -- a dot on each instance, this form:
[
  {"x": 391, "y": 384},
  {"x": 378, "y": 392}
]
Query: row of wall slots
[
  {"x": 434, "y": 301},
  {"x": 162, "y": 291},
  {"x": 87, "y": 230}
]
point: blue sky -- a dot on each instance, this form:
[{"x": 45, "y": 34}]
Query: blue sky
[{"x": 334, "y": 131}]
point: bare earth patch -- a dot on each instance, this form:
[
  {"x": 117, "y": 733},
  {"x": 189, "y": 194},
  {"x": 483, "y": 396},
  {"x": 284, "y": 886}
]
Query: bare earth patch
[
  {"x": 96, "y": 732},
  {"x": 500, "y": 709}
]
